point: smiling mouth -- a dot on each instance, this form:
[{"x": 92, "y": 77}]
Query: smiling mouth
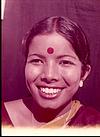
[{"x": 49, "y": 93}]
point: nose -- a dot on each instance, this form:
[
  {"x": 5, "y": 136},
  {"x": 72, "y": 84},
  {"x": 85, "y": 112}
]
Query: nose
[{"x": 50, "y": 73}]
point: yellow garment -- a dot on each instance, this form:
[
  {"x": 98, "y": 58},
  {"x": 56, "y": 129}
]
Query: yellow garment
[{"x": 63, "y": 120}]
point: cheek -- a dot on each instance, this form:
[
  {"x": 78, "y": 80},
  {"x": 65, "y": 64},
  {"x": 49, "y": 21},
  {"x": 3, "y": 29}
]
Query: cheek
[
  {"x": 71, "y": 75},
  {"x": 32, "y": 72}
]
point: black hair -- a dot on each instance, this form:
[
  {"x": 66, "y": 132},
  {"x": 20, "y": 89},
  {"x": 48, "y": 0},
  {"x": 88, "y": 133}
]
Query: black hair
[{"x": 65, "y": 27}]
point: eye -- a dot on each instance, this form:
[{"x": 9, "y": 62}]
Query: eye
[
  {"x": 36, "y": 61},
  {"x": 66, "y": 62}
]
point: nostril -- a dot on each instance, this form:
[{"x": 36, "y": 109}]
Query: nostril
[
  {"x": 48, "y": 80},
  {"x": 45, "y": 80}
]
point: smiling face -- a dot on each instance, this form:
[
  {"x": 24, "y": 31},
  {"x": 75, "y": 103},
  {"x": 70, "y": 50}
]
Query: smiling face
[{"x": 52, "y": 78}]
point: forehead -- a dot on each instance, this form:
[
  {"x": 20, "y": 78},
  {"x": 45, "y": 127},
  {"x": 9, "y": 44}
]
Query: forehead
[
  {"x": 52, "y": 38},
  {"x": 60, "y": 45}
]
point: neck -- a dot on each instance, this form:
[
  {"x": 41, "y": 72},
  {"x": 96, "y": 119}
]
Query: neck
[{"x": 45, "y": 115}]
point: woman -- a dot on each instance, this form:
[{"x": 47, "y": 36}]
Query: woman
[{"x": 57, "y": 64}]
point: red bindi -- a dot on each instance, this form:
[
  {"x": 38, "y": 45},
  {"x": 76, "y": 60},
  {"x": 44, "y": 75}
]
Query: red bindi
[{"x": 50, "y": 50}]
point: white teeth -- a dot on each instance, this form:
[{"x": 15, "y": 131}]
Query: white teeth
[{"x": 50, "y": 90}]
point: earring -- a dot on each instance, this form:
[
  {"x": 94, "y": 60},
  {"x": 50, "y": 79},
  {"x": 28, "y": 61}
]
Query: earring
[{"x": 81, "y": 83}]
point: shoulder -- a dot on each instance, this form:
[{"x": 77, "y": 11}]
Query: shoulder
[
  {"x": 12, "y": 105},
  {"x": 17, "y": 113},
  {"x": 6, "y": 121},
  {"x": 8, "y": 108},
  {"x": 86, "y": 116}
]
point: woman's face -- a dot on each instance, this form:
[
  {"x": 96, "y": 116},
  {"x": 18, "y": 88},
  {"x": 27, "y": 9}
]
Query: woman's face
[{"x": 52, "y": 78}]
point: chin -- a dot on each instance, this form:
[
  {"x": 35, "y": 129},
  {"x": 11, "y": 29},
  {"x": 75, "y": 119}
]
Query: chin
[
  {"x": 47, "y": 104},
  {"x": 50, "y": 104}
]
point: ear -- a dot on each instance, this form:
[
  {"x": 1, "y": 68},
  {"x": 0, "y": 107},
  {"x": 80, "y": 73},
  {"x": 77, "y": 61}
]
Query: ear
[{"x": 86, "y": 72}]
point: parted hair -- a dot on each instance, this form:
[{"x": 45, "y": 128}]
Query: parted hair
[{"x": 67, "y": 28}]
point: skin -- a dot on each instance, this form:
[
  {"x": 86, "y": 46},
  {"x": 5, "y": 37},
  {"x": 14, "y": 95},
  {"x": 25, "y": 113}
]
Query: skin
[{"x": 60, "y": 69}]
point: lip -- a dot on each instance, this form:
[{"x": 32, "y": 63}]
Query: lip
[
  {"x": 54, "y": 87},
  {"x": 49, "y": 95}
]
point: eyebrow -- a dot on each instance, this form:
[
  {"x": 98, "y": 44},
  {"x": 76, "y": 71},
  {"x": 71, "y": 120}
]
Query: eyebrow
[
  {"x": 61, "y": 56},
  {"x": 39, "y": 55}
]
